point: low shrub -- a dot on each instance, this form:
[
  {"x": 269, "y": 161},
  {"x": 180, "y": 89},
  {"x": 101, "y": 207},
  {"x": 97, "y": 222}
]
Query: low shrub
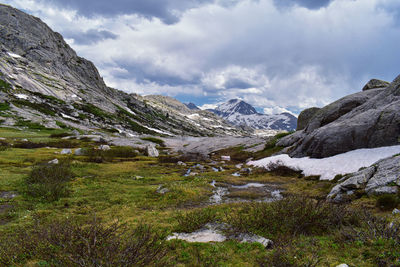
[
  {"x": 99, "y": 156},
  {"x": 291, "y": 216},
  {"x": 57, "y": 144},
  {"x": 90, "y": 243},
  {"x": 49, "y": 181},
  {"x": 4, "y": 145},
  {"x": 387, "y": 202},
  {"x": 194, "y": 220},
  {"x": 278, "y": 168},
  {"x": 59, "y": 135},
  {"x": 4, "y": 106}
]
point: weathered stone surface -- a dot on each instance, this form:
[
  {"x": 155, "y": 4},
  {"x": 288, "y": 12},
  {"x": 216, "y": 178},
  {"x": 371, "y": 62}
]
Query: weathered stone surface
[
  {"x": 305, "y": 116},
  {"x": 383, "y": 177},
  {"x": 152, "y": 151},
  {"x": 66, "y": 151},
  {"x": 366, "y": 119},
  {"x": 79, "y": 152},
  {"x": 375, "y": 83},
  {"x": 54, "y": 161},
  {"x": 104, "y": 147}
]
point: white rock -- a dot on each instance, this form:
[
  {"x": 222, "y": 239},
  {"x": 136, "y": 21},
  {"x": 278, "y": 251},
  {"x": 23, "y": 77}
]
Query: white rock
[
  {"x": 152, "y": 151},
  {"x": 181, "y": 163},
  {"x": 342, "y": 265},
  {"x": 226, "y": 158},
  {"x": 104, "y": 147},
  {"x": 78, "y": 152},
  {"x": 395, "y": 211},
  {"x": 66, "y": 151},
  {"x": 54, "y": 161}
]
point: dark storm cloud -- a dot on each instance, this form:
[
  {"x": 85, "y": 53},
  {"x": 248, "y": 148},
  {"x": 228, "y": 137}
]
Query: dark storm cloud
[
  {"x": 310, "y": 4},
  {"x": 91, "y": 36},
  {"x": 238, "y": 84},
  {"x": 166, "y": 10}
]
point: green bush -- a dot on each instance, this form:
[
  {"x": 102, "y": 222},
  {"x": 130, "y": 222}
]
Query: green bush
[
  {"x": 387, "y": 202},
  {"x": 88, "y": 243},
  {"x": 99, "y": 156},
  {"x": 4, "y": 106},
  {"x": 194, "y": 220},
  {"x": 291, "y": 216},
  {"x": 49, "y": 181}
]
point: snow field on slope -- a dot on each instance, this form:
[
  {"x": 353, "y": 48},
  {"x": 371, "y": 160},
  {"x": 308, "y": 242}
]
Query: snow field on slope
[{"x": 328, "y": 168}]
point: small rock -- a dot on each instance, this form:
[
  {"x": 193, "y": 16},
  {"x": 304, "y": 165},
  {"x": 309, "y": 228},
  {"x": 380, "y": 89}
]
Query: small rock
[
  {"x": 248, "y": 160},
  {"x": 104, "y": 147},
  {"x": 215, "y": 169},
  {"x": 193, "y": 174},
  {"x": 24, "y": 140},
  {"x": 199, "y": 166},
  {"x": 162, "y": 190},
  {"x": 137, "y": 177},
  {"x": 8, "y": 194},
  {"x": 395, "y": 211},
  {"x": 238, "y": 166},
  {"x": 54, "y": 161},
  {"x": 187, "y": 172},
  {"x": 79, "y": 152},
  {"x": 250, "y": 238},
  {"x": 2, "y": 138},
  {"x": 152, "y": 151},
  {"x": 75, "y": 132},
  {"x": 66, "y": 151},
  {"x": 246, "y": 170},
  {"x": 342, "y": 265},
  {"x": 181, "y": 163},
  {"x": 226, "y": 158},
  {"x": 236, "y": 174}
]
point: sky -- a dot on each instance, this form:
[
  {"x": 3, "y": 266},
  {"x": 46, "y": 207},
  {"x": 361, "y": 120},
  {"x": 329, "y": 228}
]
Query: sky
[{"x": 278, "y": 55}]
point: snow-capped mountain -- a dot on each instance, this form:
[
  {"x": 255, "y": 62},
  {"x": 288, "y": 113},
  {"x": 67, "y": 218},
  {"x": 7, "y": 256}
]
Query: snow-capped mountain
[{"x": 241, "y": 113}]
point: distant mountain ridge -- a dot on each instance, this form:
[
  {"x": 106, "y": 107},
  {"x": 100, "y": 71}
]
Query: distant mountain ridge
[{"x": 240, "y": 113}]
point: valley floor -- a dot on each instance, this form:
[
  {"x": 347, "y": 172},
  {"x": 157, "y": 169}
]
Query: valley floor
[{"x": 134, "y": 191}]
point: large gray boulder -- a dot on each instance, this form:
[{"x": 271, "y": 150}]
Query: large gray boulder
[
  {"x": 375, "y": 83},
  {"x": 366, "y": 119},
  {"x": 305, "y": 116},
  {"x": 380, "y": 178}
]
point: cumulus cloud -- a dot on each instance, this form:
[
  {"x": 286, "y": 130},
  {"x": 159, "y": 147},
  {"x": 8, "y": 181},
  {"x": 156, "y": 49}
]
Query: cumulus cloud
[{"x": 277, "y": 56}]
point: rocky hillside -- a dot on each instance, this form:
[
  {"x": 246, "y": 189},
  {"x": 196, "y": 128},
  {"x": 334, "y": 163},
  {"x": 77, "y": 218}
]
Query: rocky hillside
[
  {"x": 240, "y": 113},
  {"x": 43, "y": 83},
  {"x": 367, "y": 119},
  {"x": 198, "y": 120}
]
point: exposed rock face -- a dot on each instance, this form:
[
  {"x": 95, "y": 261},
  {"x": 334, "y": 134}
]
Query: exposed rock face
[
  {"x": 44, "y": 81},
  {"x": 366, "y": 119},
  {"x": 375, "y": 83},
  {"x": 305, "y": 116},
  {"x": 380, "y": 178}
]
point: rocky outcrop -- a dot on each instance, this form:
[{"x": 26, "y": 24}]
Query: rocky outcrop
[
  {"x": 375, "y": 83},
  {"x": 366, "y": 119},
  {"x": 305, "y": 116},
  {"x": 43, "y": 81},
  {"x": 380, "y": 178}
]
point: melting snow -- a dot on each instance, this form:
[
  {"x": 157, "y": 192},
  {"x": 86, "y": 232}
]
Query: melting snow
[
  {"x": 328, "y": 168},
  {"x": 13, "y": 55},
  {"x": 22, "y": 96}
]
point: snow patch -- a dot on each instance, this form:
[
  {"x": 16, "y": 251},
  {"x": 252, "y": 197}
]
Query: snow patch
[
  {"x": 22, "y": 96},
  {"x": 67, "y": 117},
  {"x": 328, "y": 168},
  {"x": 13, "y": 55}
]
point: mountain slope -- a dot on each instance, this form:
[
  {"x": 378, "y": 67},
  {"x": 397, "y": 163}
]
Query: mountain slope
[
  {"x": 44, "y": 82},
  {"x": 240, "y": 113}
]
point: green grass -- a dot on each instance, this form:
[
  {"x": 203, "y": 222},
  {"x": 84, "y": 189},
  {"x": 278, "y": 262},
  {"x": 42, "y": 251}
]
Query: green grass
[
  {"x": 41, "y": 107},
  {"x": 4, "y": 106},
  {"x": 125, "y": 188},
  {"x": 4, "y": 86}
]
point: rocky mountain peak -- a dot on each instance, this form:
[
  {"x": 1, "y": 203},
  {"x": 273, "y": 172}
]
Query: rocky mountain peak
[{"x": 236, "y": 106}]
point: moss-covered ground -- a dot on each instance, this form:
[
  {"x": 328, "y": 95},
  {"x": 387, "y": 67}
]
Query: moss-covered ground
[{"x": 126, "y": 189}]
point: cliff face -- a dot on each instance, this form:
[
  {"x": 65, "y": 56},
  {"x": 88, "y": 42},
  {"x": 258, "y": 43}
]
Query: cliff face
[
  {"x": 367, "y": 119},
  {"x": 44, "y": 81}
]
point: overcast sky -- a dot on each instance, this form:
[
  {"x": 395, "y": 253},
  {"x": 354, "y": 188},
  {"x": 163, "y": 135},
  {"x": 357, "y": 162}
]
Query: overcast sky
[{"x": 275, "y": 54}]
